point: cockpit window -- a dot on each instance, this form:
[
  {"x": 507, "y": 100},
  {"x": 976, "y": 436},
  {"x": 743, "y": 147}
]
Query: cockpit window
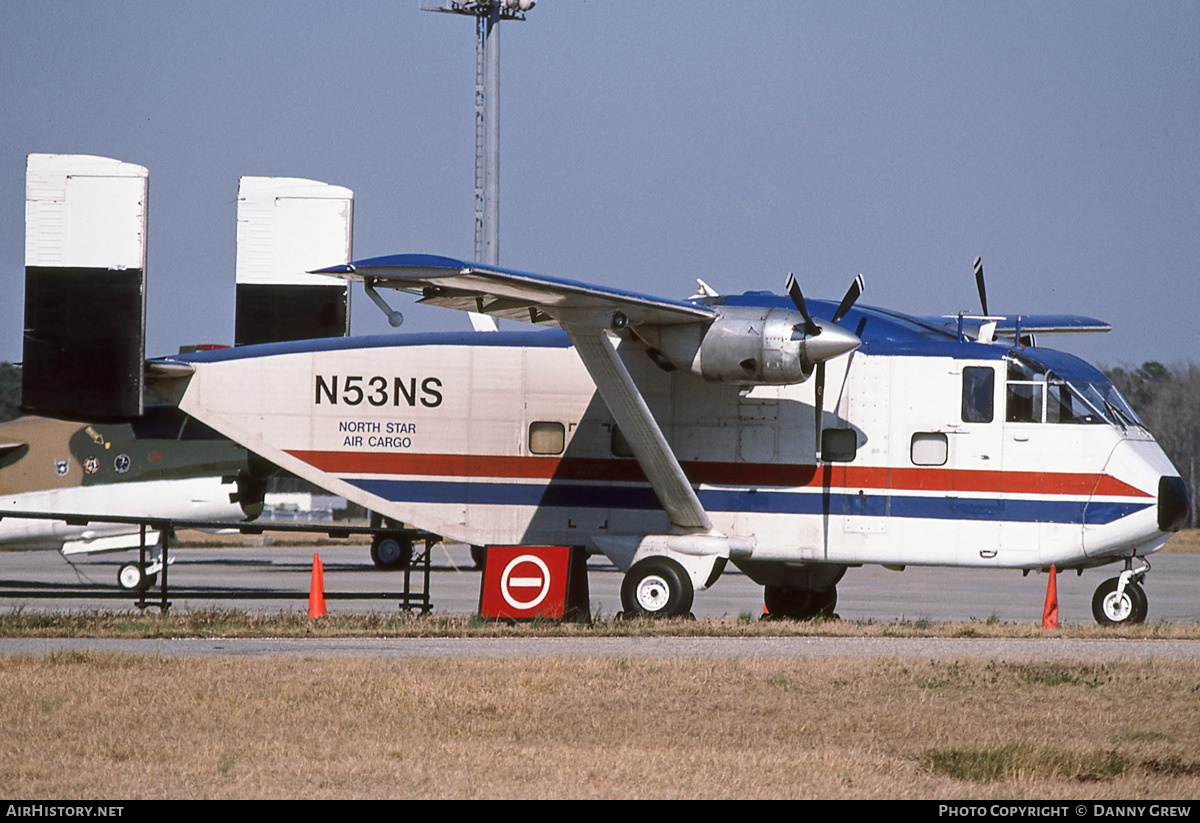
[
  {"x": 1066, "y": 393},
  {"x": 1026, "y": 393}
]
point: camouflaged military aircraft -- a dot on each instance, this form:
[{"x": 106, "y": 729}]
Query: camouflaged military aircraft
[{"x": 164, "y": 464}]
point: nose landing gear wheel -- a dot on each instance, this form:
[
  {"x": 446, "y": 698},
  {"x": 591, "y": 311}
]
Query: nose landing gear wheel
[
  {"x": 657, "y": 587},
  {"x": 1109, "y": 609}
]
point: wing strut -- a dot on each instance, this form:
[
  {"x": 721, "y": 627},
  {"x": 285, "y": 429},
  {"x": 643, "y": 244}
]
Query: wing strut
[{"x": 641, "y": 430}]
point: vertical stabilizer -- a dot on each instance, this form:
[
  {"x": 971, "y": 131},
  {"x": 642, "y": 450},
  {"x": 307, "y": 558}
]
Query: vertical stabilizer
[
  {"x": 85, "y": 287},
  {"x": 287, "y": 227}
]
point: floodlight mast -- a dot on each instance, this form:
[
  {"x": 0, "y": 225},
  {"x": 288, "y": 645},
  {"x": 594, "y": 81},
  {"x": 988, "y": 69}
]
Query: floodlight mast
[{"x": 487, "y": 14}]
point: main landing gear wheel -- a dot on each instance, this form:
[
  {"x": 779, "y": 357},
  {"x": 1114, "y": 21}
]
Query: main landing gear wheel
[
  {"x": 657, "y": 587},
  {"x": 1109, "y": 609},
  {"x": 391, "y": 552},
  {"x": 799, "y": 604},
  {"x": 132, "y": 578}
]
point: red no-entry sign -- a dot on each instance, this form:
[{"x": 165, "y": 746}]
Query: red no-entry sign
[{"x": 524, "y": 582}]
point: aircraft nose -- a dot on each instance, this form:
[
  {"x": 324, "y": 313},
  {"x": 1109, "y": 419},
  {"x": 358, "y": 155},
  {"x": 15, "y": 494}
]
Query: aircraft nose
[
  {"x": 1172, "y": 504},
  {"x": 833, "y": 341}
]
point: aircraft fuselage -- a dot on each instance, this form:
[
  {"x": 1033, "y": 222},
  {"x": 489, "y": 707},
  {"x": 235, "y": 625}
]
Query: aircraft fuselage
[{"x": 942, "y": 459}]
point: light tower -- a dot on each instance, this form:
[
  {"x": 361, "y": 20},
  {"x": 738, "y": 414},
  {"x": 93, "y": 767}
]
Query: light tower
[{"x": 487, "y": 14}]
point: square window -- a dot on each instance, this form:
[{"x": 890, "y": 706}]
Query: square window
[
  {"x": 930, "y": 449},
  {"x": 839, "y": 445}
]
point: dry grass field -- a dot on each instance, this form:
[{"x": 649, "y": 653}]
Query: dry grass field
[{"x": 97, "y": 726}]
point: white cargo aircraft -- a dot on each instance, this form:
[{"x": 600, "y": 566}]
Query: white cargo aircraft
[{"x": 792, "y": 439}]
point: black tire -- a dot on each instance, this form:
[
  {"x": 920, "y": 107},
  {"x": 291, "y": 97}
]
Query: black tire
[
  {"x": 478, "y": 556},
  {"x": 657, "y": 587},
  {"x": 131, "y": 578},
  {"x": 1109, "y": 610},
  {"x": 799, "y": 604},
  {"x": 389, "y": 551}
]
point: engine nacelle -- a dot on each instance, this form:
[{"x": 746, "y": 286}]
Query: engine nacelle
[{"x": 745, "y": 346}]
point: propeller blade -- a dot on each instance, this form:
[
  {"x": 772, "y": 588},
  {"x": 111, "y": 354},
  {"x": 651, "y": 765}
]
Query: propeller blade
[
  {"x": 819, "y": 406},
  {"x": 793, "y": 290},
  {"x": 852, "y": 294},
  {"x": 979, "y": 284}
]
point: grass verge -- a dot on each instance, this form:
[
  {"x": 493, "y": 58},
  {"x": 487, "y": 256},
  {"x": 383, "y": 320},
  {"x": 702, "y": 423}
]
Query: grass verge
[{"x": 220, "y": 623}]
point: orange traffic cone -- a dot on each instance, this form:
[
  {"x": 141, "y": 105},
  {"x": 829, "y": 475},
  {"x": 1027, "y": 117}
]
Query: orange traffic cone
[
  {"x": 1050, "y": 610},
  {"x": 316, "y": 591}
]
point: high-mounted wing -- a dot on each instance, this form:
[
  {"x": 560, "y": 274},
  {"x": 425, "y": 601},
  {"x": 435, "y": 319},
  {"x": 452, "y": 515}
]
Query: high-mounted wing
[
  {"x": 739, "y": 345},
  {"x": 513, "y": 295},
  {"x": 585, "y": 312},
  {"x": 1023, "y": 324},
  {"x": 1051, "y": 324}
]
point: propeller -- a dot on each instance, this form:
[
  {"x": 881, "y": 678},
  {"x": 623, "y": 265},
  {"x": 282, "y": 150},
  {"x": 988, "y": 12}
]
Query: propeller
[
  {"x": 823, "y": 342},
  {"x": 979, "y": 284}
]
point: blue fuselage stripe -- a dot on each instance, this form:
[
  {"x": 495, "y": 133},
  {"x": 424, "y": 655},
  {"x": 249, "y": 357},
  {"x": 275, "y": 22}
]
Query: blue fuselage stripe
[{"x": 580, "y": 496}]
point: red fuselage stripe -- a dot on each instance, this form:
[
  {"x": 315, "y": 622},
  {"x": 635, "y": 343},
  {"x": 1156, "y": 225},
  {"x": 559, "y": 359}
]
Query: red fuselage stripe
[{"x": 720, "y": 474}]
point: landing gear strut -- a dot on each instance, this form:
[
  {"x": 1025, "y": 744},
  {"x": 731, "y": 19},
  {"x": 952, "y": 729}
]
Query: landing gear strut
[{"x": 1121, "y": 600}]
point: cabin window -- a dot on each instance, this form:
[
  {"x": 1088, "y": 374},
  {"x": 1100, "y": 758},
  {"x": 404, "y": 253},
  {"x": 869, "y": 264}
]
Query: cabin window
[
  {"x": 547, "y": 438},
  {"x": 930, "y": 449},
  {"x": 839, "y": 445},
  {"x": 978, "y": 394},
  {"x": 618, "y": 445}
]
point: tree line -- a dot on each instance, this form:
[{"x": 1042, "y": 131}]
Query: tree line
[{"x": 1167, "y": 400}]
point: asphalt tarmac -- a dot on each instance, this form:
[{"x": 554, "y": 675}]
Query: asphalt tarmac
[{"x": 870, "y": 593}]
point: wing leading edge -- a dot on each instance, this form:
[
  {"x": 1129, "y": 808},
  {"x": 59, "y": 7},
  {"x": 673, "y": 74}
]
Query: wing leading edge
[{"x": 511, "y": 294}]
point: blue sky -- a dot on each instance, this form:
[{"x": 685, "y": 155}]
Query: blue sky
[{"x": 647, "y": 144}]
